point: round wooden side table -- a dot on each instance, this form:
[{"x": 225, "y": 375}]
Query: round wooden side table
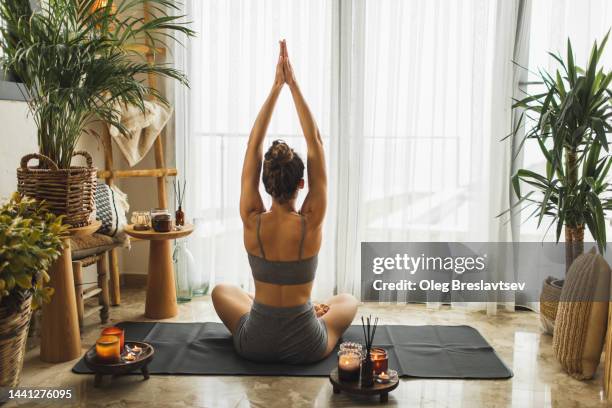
[
  {"x": 60, "y": 335},
  {"x": 355, "y": 388},
  {"x": 161, "y": 289}
]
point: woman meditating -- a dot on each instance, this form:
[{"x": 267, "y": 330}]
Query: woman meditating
[{"x": 280, "y": 323}]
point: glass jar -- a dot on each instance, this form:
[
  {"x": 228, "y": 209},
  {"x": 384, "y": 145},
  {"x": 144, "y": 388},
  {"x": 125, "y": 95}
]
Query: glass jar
[
  {"x": 350, "y": 346},
  {"x": 184, "y": 269},
  {"x": 348, "y": 365},
  {"x": 201, "y": 276},
  {"x": 141, "y": 220},
  {"x": 107, "y": 349},
  {"x": 380, "y": 360},
  {"x": 161, "y": 220}
]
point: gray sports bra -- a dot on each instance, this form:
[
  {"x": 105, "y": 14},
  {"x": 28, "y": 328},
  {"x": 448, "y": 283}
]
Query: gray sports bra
[{"x": 283, "y": 272}]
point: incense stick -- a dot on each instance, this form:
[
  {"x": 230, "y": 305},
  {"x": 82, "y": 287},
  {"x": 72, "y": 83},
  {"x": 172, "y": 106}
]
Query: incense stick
[
  {"x": 369, "y": 326},
  {"x": 178, "y": 193},
  {"x": 364, "y": 332}
]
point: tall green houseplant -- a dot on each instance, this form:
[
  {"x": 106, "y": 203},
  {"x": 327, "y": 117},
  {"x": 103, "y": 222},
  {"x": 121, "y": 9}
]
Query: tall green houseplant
[
  {"x": 570, "y": 122},
  {"x": 77, "y": 62}
]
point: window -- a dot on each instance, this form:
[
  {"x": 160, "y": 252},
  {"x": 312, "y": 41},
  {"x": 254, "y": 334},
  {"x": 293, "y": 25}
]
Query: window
[
  {"x": 8, "y": 87},
  {"x": 412, "y": 98}
]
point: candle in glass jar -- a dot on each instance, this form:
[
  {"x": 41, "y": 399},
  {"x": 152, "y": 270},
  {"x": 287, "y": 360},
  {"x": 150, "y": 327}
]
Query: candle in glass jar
[
  {"x": 380, "y": 361},
  {"x": 348, "y": 365},
  {"x": 382, "y": 378},
  {"x": 141, "y": 220},
  {"x": 115, "y": 331},
  {"x": 107, "y": 349}
]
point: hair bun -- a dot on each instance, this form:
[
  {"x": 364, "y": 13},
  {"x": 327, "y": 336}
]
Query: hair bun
[
  {"x": 282, "y": 171},
  {"x": 279, "y": 154}
]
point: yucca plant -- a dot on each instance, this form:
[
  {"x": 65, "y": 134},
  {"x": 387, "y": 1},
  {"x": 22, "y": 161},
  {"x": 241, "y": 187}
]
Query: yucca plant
[
  {"x": 78, "y": 62},
  {"x": 570, "y": 122}
]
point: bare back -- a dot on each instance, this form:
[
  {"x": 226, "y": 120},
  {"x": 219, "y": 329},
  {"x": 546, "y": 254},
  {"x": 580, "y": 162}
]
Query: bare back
[{"x": 280, "y": 233}]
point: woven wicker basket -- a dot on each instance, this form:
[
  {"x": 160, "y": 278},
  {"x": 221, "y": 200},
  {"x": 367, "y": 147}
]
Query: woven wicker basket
[
  {"x": 13, "y": 335},
  {"x": 549, "y": 303},
  {"x": 69, "y": 192}
]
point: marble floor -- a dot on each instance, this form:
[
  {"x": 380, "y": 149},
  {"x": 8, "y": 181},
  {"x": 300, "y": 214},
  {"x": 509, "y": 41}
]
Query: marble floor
[{"x": 538, "y": 380}]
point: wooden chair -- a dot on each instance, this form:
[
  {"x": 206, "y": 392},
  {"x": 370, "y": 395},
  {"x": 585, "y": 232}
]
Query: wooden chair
[
  {"x": 87, "y": 252},
  {"x": 94, "y": 249},
  {"x": 83, "y": 293}
]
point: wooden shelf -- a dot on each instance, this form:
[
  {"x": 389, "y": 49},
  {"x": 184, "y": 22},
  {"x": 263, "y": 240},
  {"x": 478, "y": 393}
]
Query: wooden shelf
[{"x": 162, "y": 172}]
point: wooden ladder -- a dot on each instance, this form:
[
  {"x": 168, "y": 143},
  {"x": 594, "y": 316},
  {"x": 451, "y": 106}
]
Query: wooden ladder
[{"x": 109, "y": 174}]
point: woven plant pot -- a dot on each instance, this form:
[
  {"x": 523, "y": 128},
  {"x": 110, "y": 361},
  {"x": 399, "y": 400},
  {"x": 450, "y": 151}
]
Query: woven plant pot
[
  {"x": 13, "y": 335},
  {"x": 549, "y": 303},
  {"x": 69, "y": 192}
]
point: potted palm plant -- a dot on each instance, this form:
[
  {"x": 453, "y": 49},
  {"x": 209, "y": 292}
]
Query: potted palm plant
[
  {"x": 79, "y": 61},
  {"x": 30, "y": 240},
  {"x": 570, "y": 121}
]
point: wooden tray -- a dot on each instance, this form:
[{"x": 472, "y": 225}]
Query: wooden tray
[
  {"x": 122, "y": 367},
  {"x": 355, "y": 388}
]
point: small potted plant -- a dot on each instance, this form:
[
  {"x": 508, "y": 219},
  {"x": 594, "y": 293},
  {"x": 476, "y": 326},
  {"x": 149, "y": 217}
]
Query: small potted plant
[
  {"x": 79, "y": 62},
  {"x": 29, "y": 242}
]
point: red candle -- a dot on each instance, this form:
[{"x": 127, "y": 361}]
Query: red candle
[
  {"x": 380, "y": 361},
  {"x": 115, "y": 331}
]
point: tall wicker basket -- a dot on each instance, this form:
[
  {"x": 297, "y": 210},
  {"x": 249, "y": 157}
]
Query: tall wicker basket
[
  {"x": 549, "y": 303},
  {"x": 68, "y": 192},
  {"x": 13, "y": 335}
]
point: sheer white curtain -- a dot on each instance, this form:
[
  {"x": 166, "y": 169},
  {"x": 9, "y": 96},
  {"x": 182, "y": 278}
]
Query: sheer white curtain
[
  {"x": 412, "y": 98},
  {"x": 433, "y": 81},
  {"x": 231, "y": 66}
]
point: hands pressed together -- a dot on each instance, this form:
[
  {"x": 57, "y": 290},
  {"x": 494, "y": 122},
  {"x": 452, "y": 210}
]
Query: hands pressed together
[
  {"x": 320, "y": 309},
  {"x": 284, "y": 70}
]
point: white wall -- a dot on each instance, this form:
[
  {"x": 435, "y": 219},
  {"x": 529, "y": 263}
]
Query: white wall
[{"x": 17, "y": 138}]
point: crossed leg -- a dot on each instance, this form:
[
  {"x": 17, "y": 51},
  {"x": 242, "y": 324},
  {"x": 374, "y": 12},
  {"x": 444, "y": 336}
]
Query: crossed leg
[
  {"x": 230, "y": 303},
  {"x": 342, "y": 311}
]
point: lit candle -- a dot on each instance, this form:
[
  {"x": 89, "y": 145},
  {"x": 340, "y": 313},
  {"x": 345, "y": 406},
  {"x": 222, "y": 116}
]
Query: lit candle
[
  {"x": 107, "y": 349},
  {"x": 380, "y": 361},
  {"x": 348, "y": 365},
  {"x": 130, "y": 357},
  {"x": 383, "y": 378},
  {"x": 115, "y": 331}
]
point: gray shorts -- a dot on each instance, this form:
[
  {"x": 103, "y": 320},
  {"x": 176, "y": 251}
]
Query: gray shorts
[{"x": 289, "y": 334}]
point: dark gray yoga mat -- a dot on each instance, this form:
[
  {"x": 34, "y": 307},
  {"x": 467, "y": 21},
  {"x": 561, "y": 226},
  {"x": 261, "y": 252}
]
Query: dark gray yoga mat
[{"x": 414, "y": 351}]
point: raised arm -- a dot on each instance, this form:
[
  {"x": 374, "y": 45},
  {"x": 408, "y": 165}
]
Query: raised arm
[
  {"x": 315, "y": 204},
  {"x": 250, "y": 199}
]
